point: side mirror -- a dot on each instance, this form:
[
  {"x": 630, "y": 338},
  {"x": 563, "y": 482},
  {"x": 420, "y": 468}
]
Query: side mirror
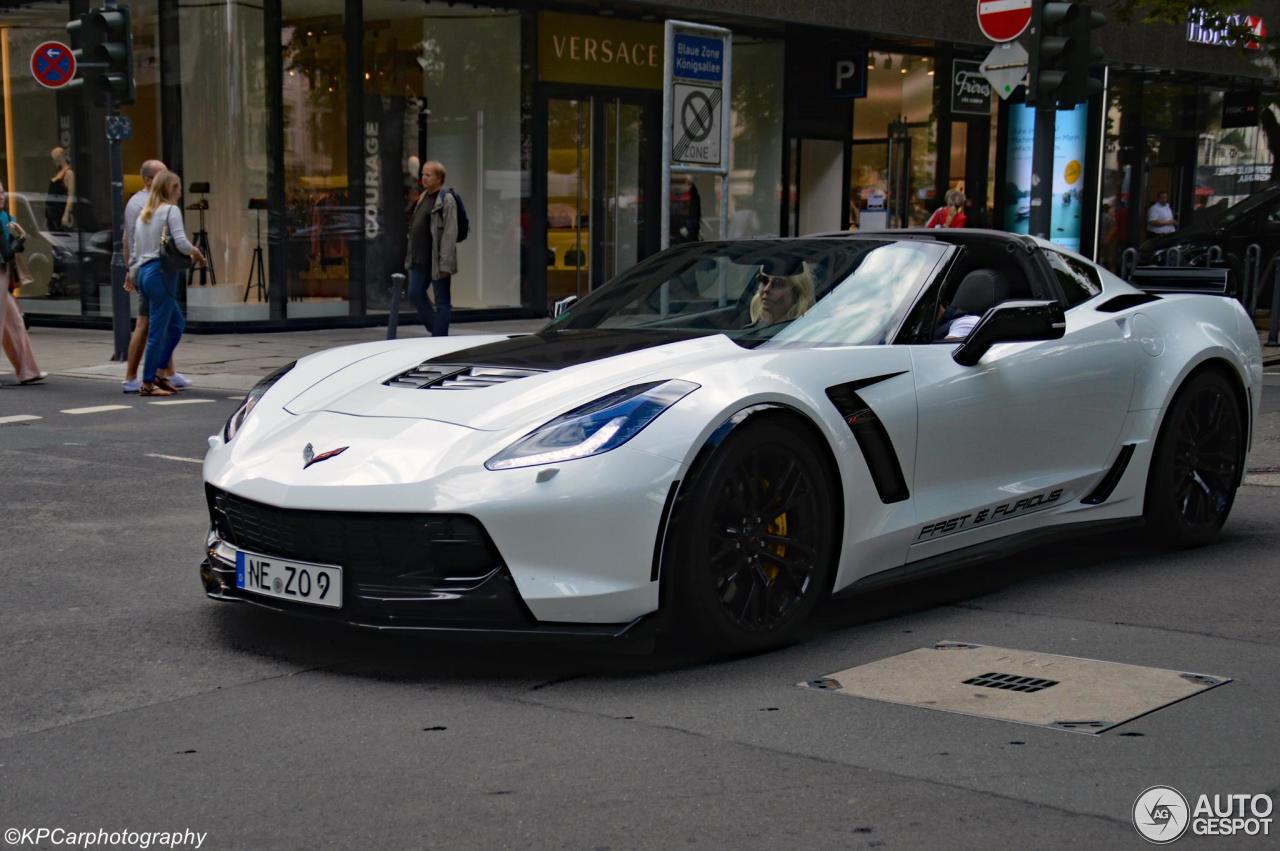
[
  {"x": 562, "y": 305},
  {"x": 1011, "y": 322}
]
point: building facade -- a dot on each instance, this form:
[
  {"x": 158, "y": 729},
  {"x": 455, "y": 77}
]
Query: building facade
[{"x": 297, "y": 127}]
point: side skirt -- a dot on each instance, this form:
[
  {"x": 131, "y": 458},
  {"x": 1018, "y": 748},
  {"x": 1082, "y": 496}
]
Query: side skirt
[{"x": 987, "y": 551}]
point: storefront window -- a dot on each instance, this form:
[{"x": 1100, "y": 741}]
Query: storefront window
[
  {"x": 1115, "y": 213},
  {"x": 321, "y": 219},
  {"x": 443, "y": 82},
  {"x": 1235, "y": 156},
  {"x": 894, "y": 166},
  {"x": 755, "y": 180},
  {"x": 222, "y": 52},
  {"x": 56, "y": 165}
]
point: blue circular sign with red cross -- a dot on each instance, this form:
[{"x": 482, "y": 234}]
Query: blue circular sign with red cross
[{"x": 52, "y": 65}]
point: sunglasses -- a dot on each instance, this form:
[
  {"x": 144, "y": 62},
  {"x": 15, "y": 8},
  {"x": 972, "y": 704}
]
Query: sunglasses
[{"x": 765, "y": 279}]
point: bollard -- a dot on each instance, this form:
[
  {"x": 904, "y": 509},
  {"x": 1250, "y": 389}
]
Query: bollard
[
  {"x": 1252, "y": 274},
  {"x": 393, "y": 316},
  {"x": 1173, "y": 257},
  {"x": 1273, "y": 329},
  {"x": 1128, "y": 261},
  {"x": 1215, "y": 253}
]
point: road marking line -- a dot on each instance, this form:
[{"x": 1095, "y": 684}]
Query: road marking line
[
  {"x": 1265, "y": 480},
  {"x": 97, "y": 409},
  {"x": 174, "y": 458},
  {"x": 180, "y": 402},
  {"x": 19, "y": 418},
  {"x": 241, "y": 398}
]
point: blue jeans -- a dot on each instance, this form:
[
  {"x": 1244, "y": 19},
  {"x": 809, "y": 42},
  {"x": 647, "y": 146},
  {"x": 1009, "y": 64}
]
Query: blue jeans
[
  {"x": 164, "y": 315},
  {"x": 436, "y": 320}
]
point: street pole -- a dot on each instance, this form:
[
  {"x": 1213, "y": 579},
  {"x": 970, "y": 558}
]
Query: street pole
[
  {"x": 118, "y": 128},
  {"x": 1042, "y": 171}
]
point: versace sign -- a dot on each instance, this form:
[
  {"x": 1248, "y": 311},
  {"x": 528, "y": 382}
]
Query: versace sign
[{"x": 599, "y": 51}]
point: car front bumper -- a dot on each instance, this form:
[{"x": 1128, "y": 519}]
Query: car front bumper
[{"x": 401, "y": 572}]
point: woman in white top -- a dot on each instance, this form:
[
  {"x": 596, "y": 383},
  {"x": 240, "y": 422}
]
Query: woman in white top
[{"x": 158, "y": 285}]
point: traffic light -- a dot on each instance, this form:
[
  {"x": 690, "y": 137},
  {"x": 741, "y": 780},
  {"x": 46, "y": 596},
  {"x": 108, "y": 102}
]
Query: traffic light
[
  {"x": 103, "y": 39},
  {"x": 1061, "y": 54}
]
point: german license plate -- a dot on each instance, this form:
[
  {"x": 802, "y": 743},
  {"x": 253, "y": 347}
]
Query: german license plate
[{"x": 298, "y": 581}]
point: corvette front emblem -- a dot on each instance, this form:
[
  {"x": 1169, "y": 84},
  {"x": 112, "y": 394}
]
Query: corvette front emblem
[{"x": 310, "y": 457}]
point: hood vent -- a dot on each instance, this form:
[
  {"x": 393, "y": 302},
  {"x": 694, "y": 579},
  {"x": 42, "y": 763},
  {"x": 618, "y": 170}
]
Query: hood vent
[{"x": 433, "y": 376}]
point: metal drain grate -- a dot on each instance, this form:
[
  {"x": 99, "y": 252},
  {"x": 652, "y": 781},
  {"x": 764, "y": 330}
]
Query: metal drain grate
[{"x": 1009, "y": 682}]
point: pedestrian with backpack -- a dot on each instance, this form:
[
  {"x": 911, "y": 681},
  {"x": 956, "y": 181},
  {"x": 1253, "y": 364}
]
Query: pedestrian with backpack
[{"x": 436, "y": 225}]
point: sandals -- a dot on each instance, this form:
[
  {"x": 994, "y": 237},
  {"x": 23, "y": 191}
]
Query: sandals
[
  {"x": 164, "y": 384},
  {"x": 153, "y": 390}
]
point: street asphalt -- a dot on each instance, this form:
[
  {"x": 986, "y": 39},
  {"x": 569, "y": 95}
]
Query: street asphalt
[{"x": 128, "y": 700}]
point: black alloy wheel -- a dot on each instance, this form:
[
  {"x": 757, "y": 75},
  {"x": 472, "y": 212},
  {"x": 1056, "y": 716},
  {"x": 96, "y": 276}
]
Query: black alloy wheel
[
  {"x": 1198, "y": 462},
  {"x": 755, "y": 541}
]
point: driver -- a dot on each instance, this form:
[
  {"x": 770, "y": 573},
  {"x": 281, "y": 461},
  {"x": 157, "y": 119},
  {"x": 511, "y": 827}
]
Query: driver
[
  {"x": 780, "y": 298},
  {"x": 953, "y": 324}
]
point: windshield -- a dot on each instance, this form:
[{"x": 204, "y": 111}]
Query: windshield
[
  {"x": 1245, "y": 207},
  {"x": 801, "y": 292}
]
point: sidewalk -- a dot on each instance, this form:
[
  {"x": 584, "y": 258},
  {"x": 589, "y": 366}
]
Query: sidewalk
[
  {"x": 237, "y": 361},
  {"x": 220, "y": 361}
]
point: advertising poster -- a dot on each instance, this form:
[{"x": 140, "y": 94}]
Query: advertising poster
[
  {"x": 1068, "y": 173},
  {"x": 383, "y": 208}
]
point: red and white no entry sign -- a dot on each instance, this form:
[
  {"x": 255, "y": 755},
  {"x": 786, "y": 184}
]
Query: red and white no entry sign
[
  {"x": 53, "y": 65},
  {"x": 1003, "y": 20}
]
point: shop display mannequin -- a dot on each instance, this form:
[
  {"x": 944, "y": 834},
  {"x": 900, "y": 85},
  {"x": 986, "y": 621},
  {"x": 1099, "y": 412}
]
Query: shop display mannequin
[{"x": 62, "y": 193}]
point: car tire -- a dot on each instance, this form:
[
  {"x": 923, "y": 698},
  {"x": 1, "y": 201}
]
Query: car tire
[
  {"x": 1197, "y": 464},
  {"x": 754, "y": 541}
]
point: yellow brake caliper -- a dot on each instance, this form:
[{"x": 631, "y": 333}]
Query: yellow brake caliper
[{"x": 777, "y": 526}]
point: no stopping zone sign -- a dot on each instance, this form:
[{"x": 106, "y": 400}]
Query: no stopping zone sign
[{"x": 698, "y": 113}]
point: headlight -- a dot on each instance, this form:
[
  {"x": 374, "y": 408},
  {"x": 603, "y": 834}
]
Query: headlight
[
  {"x": 251, "y": 400},
  {"x": 596, "y": 427}
]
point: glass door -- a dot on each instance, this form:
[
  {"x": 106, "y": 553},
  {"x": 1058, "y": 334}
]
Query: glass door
[
  {"x": 568, "y": 196},
  {"x": 623, "y": 197},
  {"x": 886, "y": 181},
  {"x": 600, "y": 210}
]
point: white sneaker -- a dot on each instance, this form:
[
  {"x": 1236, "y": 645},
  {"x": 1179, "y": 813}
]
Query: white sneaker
[
  {"x": 179, "y": 380},
  {"x": 132, "y": 386}
]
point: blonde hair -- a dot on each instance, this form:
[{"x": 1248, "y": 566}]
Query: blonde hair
[
  {"x": 802, "y": 288},
  {"x": 434, "y": 165},
  {"x": 955, "y": 198},
  {"x": 163, "y": 189}
]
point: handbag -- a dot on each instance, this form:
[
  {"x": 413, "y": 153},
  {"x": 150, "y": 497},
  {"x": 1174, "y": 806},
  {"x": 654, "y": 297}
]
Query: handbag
[{"x": 171, "y": 257}]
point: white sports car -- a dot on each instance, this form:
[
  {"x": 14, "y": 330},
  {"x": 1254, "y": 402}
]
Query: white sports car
[{"x": 730, "y": 432}]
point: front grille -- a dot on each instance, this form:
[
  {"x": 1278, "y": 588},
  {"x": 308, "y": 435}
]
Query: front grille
[
  {"x": 432, "y": 376},
  {"x": 426, "y": 547}
]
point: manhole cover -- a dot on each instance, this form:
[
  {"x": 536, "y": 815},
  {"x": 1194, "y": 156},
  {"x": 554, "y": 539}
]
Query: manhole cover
[{"x": 1060, "y": 692}]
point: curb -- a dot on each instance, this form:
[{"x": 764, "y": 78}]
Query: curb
[{"x": 217, "y": 383}]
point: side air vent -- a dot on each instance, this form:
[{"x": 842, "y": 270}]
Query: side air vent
[
  {"x": 1102, "y": 492},
  {"x": 872, "y": 437},
  {"x": 431, "y": 376}
]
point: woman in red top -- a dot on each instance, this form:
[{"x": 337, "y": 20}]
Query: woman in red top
[{"x": 950, "y": 216}]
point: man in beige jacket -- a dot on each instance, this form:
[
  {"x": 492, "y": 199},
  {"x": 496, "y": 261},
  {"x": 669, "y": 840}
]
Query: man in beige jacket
[{"x": 433, "y": 249}]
